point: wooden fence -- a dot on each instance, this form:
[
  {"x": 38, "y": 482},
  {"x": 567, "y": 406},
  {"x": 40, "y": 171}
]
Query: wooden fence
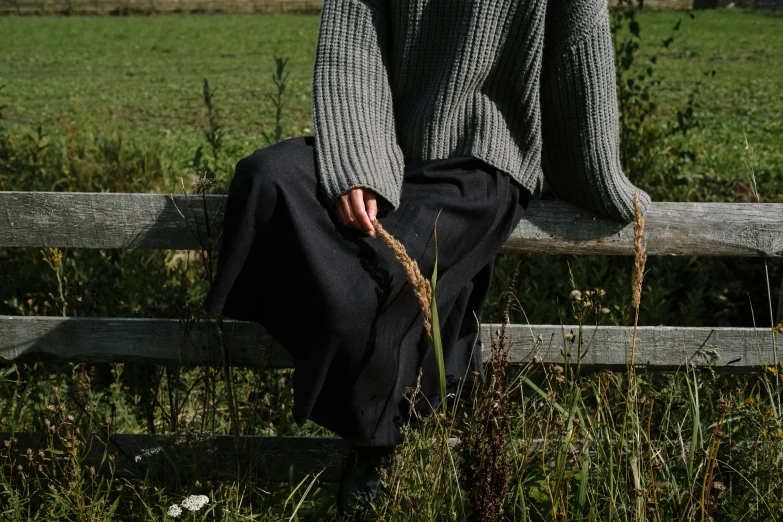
[{"x": 182, "y": 222}]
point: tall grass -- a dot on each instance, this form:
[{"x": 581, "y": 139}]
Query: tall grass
[{"x": 552, "y": 443}]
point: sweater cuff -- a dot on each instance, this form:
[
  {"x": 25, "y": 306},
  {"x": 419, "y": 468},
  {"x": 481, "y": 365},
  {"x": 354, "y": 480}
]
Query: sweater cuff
[
  {"x": 353, "y": 115},
  {"x": 580, "y": 128},
  {"x": 385, "y": 186}
]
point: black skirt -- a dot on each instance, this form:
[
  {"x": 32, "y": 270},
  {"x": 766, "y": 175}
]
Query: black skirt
[{"x": 339, "y": 301}]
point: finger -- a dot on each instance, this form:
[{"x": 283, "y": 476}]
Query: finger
[
  {"x": 350, "y": 220},
  {"x": 371, "y": 204},
  {"x": 357, "y": 199},
  {"x": 339, "y": 213}
]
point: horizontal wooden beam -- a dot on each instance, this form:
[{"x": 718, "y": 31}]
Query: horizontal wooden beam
[
  {"x": 658, "y": 348},
  {"x": 701, "y": 229},
  {"x": 109, "y": 220},
  {"x": 170, "y": 341},
  {"x": 164, "y": 457},
  {"x": 156, "y": 341}
]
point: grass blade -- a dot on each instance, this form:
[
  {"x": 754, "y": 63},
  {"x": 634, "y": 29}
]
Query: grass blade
[{"x": 437, "y": 343}]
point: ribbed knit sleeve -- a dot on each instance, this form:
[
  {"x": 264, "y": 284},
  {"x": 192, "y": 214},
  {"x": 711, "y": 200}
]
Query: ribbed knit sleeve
[
  {"x": 355, "y": 137},
  {"x": 580, "y": 130}
]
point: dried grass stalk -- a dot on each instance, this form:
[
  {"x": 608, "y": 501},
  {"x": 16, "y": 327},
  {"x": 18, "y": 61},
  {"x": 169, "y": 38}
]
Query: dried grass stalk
[
  {"x": 639, "y": 260},
  {"x": 421, "y": 286},
  {"x": 640, "y": 257}
]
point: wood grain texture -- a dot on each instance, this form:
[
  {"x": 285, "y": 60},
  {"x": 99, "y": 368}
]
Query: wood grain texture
[
  {"x": 155, "y": 341},
  {"x": 658, "y": 348},
  {"x": 169, "y": 341},
  {"x": 109, "y": 220},
  {"x": 702, "y": 229}
]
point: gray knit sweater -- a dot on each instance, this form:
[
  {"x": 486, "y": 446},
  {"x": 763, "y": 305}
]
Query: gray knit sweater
[{"x": 528, "y": 86}]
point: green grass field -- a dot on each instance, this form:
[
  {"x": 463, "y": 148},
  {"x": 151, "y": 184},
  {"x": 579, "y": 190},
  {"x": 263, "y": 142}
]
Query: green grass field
[
  {"x": 745, "y": 96},
  {"x": 142, "y": 75}
]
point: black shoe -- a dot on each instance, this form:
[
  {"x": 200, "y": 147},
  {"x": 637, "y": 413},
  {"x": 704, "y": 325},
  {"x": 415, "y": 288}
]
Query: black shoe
[{"x": 360, "y": 480}]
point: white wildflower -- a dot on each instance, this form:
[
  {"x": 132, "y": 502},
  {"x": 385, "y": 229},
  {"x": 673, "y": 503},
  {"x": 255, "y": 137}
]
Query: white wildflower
[
  {"x": 195, "y": 502},
  {"x": 174, "y": 511},
  {"x": 137, "y": 458},
  {"x": 151, "y": 451}
]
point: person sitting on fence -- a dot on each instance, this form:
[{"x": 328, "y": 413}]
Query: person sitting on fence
[{"x": 441, "y": 111}]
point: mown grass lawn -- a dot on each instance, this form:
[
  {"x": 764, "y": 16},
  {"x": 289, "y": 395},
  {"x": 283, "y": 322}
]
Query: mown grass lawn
[
  {"x": 143, "y": 76},
  {"x": 745, "y": 95}
]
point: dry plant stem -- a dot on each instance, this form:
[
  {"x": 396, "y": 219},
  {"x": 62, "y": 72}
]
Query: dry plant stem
[
  {"x": 650, "y": 455},
  {"x": 772, "y": 322},
  {"x": 234, "y": 419},
  {"x": 421, "y": 286},
  {"x": 709, "y": 473},
  {"x": 640, "y": 258},
  {"x": 232, "y": 411},
  {"x": 750, "y": 162},
  {"x": 486, "y": 463}
]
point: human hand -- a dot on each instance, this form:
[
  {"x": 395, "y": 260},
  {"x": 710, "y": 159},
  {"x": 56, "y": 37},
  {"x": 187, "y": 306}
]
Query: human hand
[{"x": 357, "y": 209}]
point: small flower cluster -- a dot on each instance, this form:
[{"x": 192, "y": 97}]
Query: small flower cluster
[
  {"x": 145, "y": 453},
  {"x": 557, "y": 370},
  {"x": 193, "y": 438},
  {"x": 191, "y": 503},
  {"x": 589, "y": 303},
  {"x": 195, "y": 502}
]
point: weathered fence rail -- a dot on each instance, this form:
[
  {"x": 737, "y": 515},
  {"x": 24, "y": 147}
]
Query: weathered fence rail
[
  {"x": 179, "y": 222},
  {"x": 171, "y": 341},
  {"x": 183, "y": 222}
]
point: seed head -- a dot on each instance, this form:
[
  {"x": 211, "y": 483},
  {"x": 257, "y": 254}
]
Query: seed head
[
  {"x": 421, "y": 286},
  {"x": 640, "y": 257}
]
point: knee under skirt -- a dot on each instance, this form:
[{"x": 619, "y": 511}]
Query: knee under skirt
[{"x": 339, "y": 302}]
